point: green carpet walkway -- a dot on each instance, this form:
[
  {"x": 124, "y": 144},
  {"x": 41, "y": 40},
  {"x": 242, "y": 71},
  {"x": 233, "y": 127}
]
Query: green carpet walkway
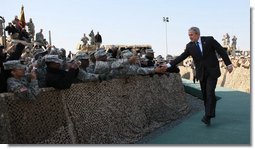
[{"x": 232, "y": 124}]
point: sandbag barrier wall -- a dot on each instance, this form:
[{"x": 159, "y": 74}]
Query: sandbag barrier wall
[
  {"x": 116, "y": 111},
  {"x": 239, "y": 79}
]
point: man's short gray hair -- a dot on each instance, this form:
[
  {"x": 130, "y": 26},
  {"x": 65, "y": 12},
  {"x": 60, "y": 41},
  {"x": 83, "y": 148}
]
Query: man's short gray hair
[{"x": 195, "y": 30}]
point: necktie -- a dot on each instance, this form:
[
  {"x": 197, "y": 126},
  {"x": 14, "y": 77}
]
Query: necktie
[{"x": 198, "y": 48}]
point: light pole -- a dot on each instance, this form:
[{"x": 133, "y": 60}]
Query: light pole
[{"x": 166, "y": 20}]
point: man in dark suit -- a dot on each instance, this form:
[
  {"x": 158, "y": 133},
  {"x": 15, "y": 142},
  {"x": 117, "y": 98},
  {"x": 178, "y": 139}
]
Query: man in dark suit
[{"x": 203, "y": 51}]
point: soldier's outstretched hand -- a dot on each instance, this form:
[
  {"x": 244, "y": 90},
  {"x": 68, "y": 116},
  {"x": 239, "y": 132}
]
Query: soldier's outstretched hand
[
  {"x": 161, "y": 69},
  {"x": 132, "y": 59}
]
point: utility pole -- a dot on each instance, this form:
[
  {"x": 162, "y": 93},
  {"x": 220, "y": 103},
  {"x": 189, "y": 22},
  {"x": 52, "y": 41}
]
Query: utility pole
[
  {"x": 166, "y": 20},
  {"x": 50, "y": 38}
]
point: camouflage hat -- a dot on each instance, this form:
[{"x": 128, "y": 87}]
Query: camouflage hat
[
  {"x": 126, "y": 54},
  {"x": 13, "y": 64},
  {"x": 37, "y": 51},
  {"x": 81, "y": 55},
  {"x": 37, "y": 44},
  {"x": 149, "y": 51},
  {"x": 160, "y": 59},
  {"x": 53, "y": 58},
  {"x": 169, "y": 57},
  {"x": 55, "y": 51},
  {"x": 100, "y": 52},
  {"x": 40, "y": 53}
]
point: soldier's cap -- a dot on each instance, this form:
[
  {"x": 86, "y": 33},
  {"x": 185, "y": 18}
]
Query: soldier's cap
[
  {"x": 149, "y": 51},
  {"x": 100, "y": 52},
  {"x": 37, "y": 44},
  {"x": 81, "y": 55},
  {"x": 40, "y": 53},
  {"x": 13, "y": 64},
  {"x": 62, "y": 49},
  {"x": 159, "y": 56},
  {"x": 160, "y": 59},
  {"x": 53, "y": 58},
  {"x": 37, "y": 51},
  {"x": 55, "y": 51},
  {"x": 126, "y": 54},
  {"x": 169, "y": 57}
]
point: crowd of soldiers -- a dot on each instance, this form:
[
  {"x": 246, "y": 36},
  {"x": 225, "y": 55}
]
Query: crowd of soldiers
[
  {"x": 25, "y": 69},
  {"x": 16, "y": 31},
  {"x": 27, "y": 64}
]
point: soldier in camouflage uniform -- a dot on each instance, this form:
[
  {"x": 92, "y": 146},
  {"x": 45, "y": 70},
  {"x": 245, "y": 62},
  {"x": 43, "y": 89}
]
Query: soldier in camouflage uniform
[
  {"x": 83, "y": 74},
  {"x": 149, "y": 59},
  {"x": 160, "y": 60},
  {"x": 24, "y": 87},
  {"x": 102, "y": 66},
  {"x": 135, "y": 69},
  {"x": 107, "y": 68},
  {"x": 169, "y": 58},
  {"x": 122, "y": 69},
  {"x": 31, "y": 28},
  {"x": 92, "y": 62},
  {"x": 85, "y": 40},
  {"x": 40, "y": 71}
]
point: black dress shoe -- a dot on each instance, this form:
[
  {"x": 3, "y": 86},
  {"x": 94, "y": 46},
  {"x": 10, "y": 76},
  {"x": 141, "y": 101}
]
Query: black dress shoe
[{"x": 206, "y": 120}]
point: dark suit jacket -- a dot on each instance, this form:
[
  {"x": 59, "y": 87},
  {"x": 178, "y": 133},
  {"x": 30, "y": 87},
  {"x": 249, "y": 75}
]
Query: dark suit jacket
[
  {"x": 60, "y": 79},
  {"x": 208, "y": 62}
]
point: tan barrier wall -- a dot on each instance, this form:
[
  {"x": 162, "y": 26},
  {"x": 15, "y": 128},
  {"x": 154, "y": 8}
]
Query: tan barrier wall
[
  {"x": 239, "y": 79},
  {"x": 115, "y": 111}
]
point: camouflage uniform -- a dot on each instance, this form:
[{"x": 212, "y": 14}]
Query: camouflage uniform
[
  {"x": 104, "y": 68},
  {"x": 83, "y": 74},
  {"x": 118, "y": 67},
  {"x": 149, "y": 60},
  {"x": 92, "y": 64},
  {"x": 22, "y": 88},
  {"x": 91, "y": 67},
  {"x": 135, "y": 69},
  {"x": 41, "y": 72},
  {"x": 31, "y": 28}
]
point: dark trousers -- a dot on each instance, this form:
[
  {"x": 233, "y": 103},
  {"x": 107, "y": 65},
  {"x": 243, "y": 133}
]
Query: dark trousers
[{"x": 208, "y": 85}]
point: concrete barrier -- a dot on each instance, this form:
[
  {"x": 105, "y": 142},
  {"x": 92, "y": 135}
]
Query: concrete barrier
[{"x": 116, "y": 111}]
